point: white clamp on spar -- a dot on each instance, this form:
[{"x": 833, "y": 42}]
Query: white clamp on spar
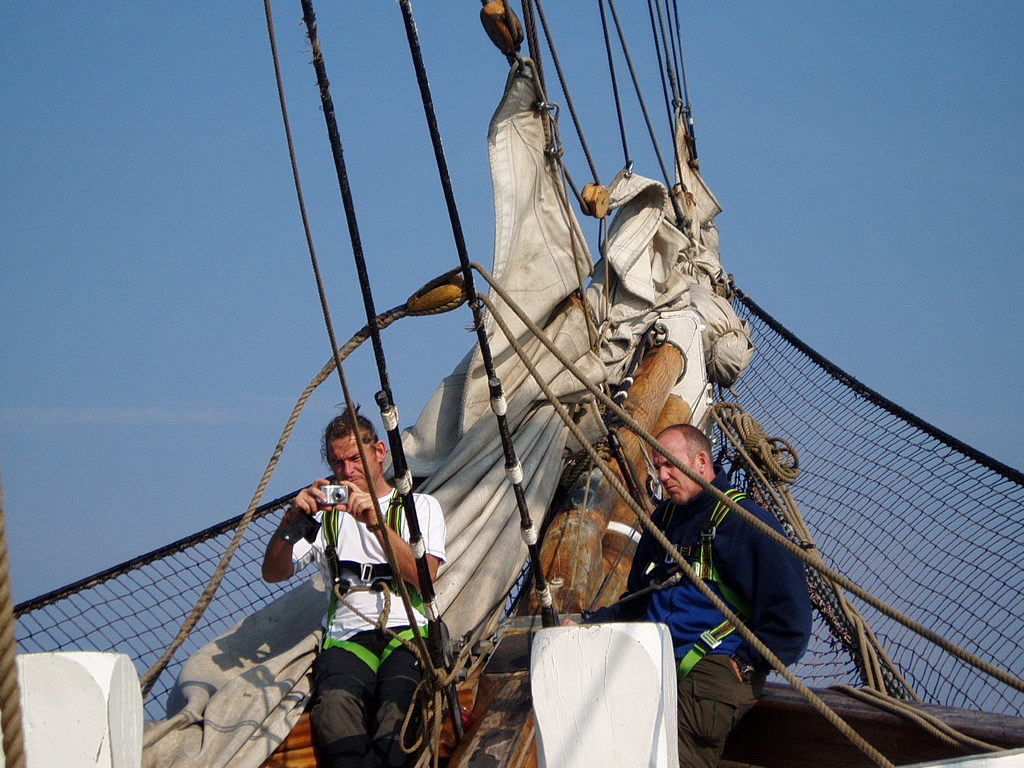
[
  {"x": 514, "y": 473},
  {"x": 403, "y": 483},
  {"x": 498, "y": 403},
  {"x": 389, "y": 416}
]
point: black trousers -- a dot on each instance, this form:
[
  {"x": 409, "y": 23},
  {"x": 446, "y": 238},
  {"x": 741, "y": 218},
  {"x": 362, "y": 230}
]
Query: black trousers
[{"x": 357, "y": 711}]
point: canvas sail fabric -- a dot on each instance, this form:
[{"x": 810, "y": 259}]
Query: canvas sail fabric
[
  {"x": 239, "y": 696},
  {"x": 651, "y": 268}
]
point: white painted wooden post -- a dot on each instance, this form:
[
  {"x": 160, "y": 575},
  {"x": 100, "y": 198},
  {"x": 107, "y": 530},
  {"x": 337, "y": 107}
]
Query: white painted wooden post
[
  {"x": 80, "y": 709},
  {"x": 604, "y": 695}
]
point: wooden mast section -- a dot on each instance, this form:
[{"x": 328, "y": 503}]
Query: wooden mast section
[{"x": 589, "y": 546}]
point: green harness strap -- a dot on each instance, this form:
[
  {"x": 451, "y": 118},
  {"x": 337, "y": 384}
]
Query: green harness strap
[
  {"x": 393, "y": 519},
  {"x": 705, "y": 569},
  {"x": 368, "y": 657}
]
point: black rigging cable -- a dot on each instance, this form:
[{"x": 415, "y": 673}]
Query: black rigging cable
[
  {"x": 565, "y": 91},
  {"x": 513, "y": 468},
  {"x": 626, "y": 161},
  {"x": 664, "y": 69},
  {"x": 677, "y": 48},
  {"x": 680, "y": 218},
  {"x": 403, "y": 481}
]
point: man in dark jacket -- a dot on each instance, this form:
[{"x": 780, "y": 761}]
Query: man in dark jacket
[{"x": 720, "y": 675}]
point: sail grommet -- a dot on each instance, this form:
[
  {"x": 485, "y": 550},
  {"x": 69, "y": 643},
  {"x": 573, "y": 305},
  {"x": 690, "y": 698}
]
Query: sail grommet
[
  {"x": 595, "y": 200},
  {"x": 502, "y": 26}
]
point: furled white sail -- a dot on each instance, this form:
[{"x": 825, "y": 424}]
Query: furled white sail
[{"x": 540, "y": 258}]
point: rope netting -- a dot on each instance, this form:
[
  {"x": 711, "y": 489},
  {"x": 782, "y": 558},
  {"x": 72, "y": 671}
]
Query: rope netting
[
  {"x": 137, "y": 607},
  {"x": 922, "y": 521}
]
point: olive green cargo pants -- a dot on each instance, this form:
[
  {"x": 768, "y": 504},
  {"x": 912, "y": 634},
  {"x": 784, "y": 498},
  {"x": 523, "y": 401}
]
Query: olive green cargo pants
[{"x": 712, "y": 699}]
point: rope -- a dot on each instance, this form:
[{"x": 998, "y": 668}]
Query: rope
[
  {"x": 779, "y": 539},
  {"x": 10, "y": 695},
  {"x": 773, "y": 454},
  {"x": 664, "y": 71},
  {"x": 434, "y": 682},
  {"x": 680, "y": 218},
  {"x": 148, "y": 679},
  {"x": 532, "y": 41},
  {"x": 684, "y": 566},
  {"x": 382, "y": 321},
  {"x": 933, "y": 725},
  {"x": 1011, "y": 474},
  {"x": 626, "y": 162},
  {"x": 384, "y": 398}
]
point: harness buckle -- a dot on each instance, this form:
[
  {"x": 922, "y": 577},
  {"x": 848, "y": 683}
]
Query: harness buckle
[
  {"x": 710, "y": 640},
  {"x": 366, "y": 571}
]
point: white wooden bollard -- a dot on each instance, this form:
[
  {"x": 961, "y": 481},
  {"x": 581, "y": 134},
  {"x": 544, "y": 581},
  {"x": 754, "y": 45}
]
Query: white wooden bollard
[
  {"x": 604, "y": 695},
  {"x": 80, "y": 708}
]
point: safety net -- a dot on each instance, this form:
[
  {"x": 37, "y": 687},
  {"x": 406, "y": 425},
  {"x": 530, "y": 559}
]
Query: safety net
[{"x": 922, "y": 521}]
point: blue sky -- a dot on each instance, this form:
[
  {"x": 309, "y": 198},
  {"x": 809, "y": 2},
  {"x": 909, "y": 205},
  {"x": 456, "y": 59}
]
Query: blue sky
[{"x": 158, "y": 316}]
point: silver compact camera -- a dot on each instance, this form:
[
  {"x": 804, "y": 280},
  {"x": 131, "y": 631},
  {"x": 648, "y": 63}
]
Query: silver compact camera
[{"x": 336, "y": 494}]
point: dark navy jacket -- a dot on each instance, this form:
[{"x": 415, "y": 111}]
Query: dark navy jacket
[{"x": 771, "y": 580}]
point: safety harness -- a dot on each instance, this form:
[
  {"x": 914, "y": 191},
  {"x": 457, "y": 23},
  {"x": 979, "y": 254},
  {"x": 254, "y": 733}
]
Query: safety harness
[
  {"x": 379, "y": 576},
  {"x": 705, "y": 569}
]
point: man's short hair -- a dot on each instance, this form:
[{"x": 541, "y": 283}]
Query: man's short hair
[
  {"x": 695, "y": 440},
  {"x": 341, "y": 427}
]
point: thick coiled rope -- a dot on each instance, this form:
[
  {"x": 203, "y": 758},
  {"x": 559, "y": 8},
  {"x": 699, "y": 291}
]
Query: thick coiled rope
[{"x": 775, "y": 457}]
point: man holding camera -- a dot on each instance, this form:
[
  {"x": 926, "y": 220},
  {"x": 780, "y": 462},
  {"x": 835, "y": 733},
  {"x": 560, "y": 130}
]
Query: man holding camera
[{"x": 364, "y": 677}]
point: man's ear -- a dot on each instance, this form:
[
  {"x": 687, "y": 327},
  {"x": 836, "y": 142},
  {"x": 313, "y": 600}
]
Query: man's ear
[
  {"x": 380, "y": 449},
  {"x": 704, "y": 459}
]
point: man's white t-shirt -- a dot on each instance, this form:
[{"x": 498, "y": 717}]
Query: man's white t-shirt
[{"x": 359, "y": 545}]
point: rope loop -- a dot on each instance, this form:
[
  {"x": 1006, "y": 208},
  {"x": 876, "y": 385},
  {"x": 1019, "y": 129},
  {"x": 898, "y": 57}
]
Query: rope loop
[{"x": 776, "y": 457}]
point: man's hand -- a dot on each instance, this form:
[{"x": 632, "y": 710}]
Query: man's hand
[
  {"x": 360, "y": 506},
  {"x": 311, "y": 500}
]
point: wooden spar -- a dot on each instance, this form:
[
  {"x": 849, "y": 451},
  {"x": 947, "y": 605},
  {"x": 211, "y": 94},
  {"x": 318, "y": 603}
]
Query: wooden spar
[
  {"x": 647, "y": 398},
  {"x": 617, "y": 547},
  {"x": 579, "y": 547}
]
